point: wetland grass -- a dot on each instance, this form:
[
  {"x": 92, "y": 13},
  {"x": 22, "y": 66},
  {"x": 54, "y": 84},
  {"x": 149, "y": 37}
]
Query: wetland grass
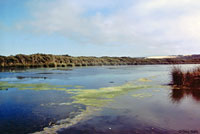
[{"x": 186, "y": 79}]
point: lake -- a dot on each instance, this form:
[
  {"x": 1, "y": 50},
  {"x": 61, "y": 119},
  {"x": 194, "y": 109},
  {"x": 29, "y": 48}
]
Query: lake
[{"x": 96, "y": 100}]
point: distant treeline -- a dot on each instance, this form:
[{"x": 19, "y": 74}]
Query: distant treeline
[{"x": 49, "y": 60}]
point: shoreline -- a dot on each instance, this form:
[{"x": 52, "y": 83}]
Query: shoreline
[{"x": 52, "y": 61}]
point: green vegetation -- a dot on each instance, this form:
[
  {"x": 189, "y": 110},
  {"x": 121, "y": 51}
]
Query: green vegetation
[
  {"x": 188, "y": 79},
  {"x": 144, "y": 80},
  {"x": 100, "y": 97},
  {"x": 38, "y": 86},
  {"x": 49, "y": 60},
  {"x": 89, "y": 97},
  {"x": 93, "y": 99}
]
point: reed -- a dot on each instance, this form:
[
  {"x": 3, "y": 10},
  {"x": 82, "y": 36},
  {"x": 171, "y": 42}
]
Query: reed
[{"x": 186, "y": 78}]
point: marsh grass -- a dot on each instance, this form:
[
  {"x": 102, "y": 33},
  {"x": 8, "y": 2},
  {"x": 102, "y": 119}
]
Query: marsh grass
[{"x": 188, "y": 79}]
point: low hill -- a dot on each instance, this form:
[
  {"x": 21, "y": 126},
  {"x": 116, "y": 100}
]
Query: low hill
[{"x": 49, "y": 60}]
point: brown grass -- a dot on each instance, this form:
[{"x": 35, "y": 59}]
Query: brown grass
[{"x": 186, "y": 79}]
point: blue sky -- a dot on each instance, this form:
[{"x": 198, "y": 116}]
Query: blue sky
[{"x": 100, "y": 27}]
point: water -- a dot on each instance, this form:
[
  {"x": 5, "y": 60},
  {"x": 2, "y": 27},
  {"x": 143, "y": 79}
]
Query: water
[{"x": 110, "y": 99}]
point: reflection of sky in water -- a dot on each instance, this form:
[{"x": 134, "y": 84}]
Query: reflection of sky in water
[
  {"x": 158, "y": 110},
  {"x": 29, "y": 110},
  {"x": 90, "y": 77},
  {"x": 22, "y": 111}
]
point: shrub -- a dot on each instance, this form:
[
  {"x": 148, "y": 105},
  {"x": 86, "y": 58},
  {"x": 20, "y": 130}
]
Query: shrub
[
  {"x": 45, "y": 65},
  {"x": 63, "y": 65},
  {"x": 70, "y": 64},
  {"x": 78, "y": 64},
  {"x": 84, "y": 64},
  {"x": 52, "y": 65}
]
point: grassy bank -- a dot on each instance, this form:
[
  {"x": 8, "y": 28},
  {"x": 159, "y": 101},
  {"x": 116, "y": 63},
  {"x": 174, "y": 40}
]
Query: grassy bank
[
  {"x": 49, "y": 60},
  {"x": 186, "y": 79}
]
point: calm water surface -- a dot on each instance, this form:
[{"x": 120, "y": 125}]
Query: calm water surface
[{"x": 41, "y": 100}]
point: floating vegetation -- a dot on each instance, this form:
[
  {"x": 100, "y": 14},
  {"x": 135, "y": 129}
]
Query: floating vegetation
[
  {"x": 100, "y": 97},
  {"x": 34, "y": 86},
  {"x": 144, "y": 80},
  {"x": 77, "y": 86},
  {"x": 88, "y": 97},
  {"x": 93, "y": 99},
  {"x": 3, "y": 88},
  {"x": 65, "y": 123}
]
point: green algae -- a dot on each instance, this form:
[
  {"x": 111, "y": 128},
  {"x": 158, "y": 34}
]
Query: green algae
[
  {"x": 78, "y": 86},
  {"x": 34, "y": 86},
  {"x": 88, "y": 97},
  {"x": 65, "y": 123},
  {"x": 100, "y": 97},
  {"x": 142, "y": 95},
  {"x": 93, "y": 99},
  {"x": 144, "y": 80}
]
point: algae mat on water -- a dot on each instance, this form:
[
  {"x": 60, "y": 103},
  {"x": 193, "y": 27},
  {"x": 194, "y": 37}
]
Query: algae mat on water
[
  {"x": 93, "y": 99},
  {"x": 100, "y": 97},
  {"x": 89, "y": 97},
  {"x": 33, "y": 86}
]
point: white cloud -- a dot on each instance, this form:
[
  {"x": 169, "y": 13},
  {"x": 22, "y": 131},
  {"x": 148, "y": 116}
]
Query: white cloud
[{"x": 167, "y": 24}]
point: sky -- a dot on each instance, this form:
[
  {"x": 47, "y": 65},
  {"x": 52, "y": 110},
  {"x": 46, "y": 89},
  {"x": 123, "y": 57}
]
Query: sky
[{"x": 134, "y": 28}]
